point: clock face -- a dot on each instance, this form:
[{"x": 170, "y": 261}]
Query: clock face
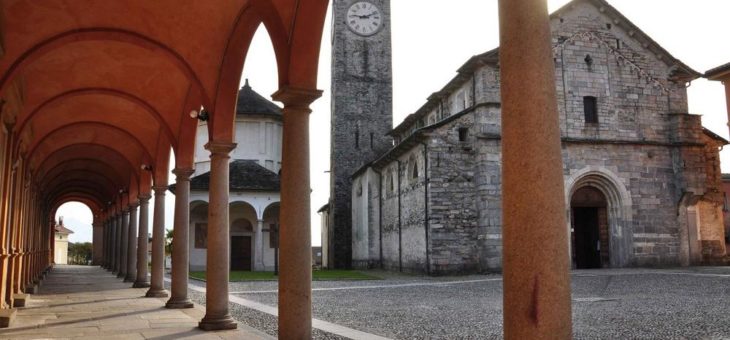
[{"x": 364, "y": 18}]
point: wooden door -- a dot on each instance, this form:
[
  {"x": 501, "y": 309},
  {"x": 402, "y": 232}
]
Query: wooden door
[{"x": 241, "y": 253}]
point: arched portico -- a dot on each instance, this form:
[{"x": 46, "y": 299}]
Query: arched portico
[{"x": 595, "y": 193}]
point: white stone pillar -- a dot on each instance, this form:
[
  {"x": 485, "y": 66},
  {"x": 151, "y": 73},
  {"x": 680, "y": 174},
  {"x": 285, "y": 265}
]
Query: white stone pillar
[
  {"x": 180, "y": 241},
  {"x": 142, "y": 258},
  {"x": 157, "y": 284},
  {"x": 218, "y": 260},
  {"x": 124, "y": 237},
  {"x": 132, "y": 244},
  {"x": 259, "y": 247},
  {"x": 535, "y": 255}
]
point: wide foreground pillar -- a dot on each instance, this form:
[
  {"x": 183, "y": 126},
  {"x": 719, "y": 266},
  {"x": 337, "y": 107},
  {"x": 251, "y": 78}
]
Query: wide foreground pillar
[
  {"x": 157, "y": 285},
  {"x": 535, "y": 254},
  {"x": 142, "y": 281},
  {"x": 295, "y": 268},
  {"x": 218, "y": 258},
  {"x": 180, "y": 240},
  {"x": 132, "y": 244}
]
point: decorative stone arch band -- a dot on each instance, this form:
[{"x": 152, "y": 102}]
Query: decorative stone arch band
[{"x": 619, "y": 209}]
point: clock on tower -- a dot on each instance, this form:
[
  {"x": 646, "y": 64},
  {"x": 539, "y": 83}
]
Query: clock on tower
[{"x": 362, "y": 109}]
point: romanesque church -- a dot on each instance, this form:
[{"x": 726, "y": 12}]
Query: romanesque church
[{"x": 642, "y": 176}]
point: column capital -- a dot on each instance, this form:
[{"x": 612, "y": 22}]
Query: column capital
[
  {"x": 296, "y": 98},
  {"x": 133, "y": 205},
  {"x": 144, "y": 198},
  {"x": 220, "y": 148},
  {"x": 160, "y": 190},
  {"x": 183, "y": 173}
]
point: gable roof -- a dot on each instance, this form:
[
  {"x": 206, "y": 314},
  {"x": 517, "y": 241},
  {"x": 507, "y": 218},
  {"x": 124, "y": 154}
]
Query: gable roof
[
  {"x": 243, "y": 175},
  {"x": 61, "y": 229},
  {"x": 682, "y": 72},
  {"x": 715, "y": 136},
  {"x": 251, "y": 103}
]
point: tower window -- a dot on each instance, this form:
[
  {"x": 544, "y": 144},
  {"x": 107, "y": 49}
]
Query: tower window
[
  {"x": 414, "y": 173},
  {"x": 590, "y": 109},
  {"x": 463, "y": 133},
  {"x": 372, "y": 137}
]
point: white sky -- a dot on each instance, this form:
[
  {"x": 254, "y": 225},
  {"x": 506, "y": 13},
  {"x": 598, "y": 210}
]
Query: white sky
[{"x": 431, "y": 41}]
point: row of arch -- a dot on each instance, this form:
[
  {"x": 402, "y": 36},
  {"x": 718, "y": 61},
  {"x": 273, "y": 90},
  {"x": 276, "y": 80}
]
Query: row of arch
[{"x": 97, "y": 97}]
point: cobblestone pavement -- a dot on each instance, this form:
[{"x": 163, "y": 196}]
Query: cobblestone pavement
[{"x": 607, "y": 304}]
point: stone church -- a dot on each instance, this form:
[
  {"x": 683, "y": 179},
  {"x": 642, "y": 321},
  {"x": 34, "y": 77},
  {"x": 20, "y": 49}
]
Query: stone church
[{"x": 642, "y": 176}]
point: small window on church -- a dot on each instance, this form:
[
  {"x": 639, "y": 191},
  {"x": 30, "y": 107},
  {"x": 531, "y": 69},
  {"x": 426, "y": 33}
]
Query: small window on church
[
  {"x": 590, "y": 109},
  {"x": 463, "y": 133},
  {"x": 390, "y": 181},
  {"x": 414, "y": 171}
]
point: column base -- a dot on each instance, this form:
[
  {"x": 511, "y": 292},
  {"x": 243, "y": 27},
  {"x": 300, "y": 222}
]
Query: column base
[
  {"x": 7, "y": 316},
  {"x": 121, "y": 275},
  {"x": 141, "y": 285},
  {"x": 32, "y": 289},
  {"x": 19, "y": 300},
  {"x": 156, "y": 293},
  {"x": 217, "y": 323},
  {"x": 179, "y": 304},
  {"x": 130, "y": 279}
]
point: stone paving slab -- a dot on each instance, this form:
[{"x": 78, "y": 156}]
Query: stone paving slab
[{"x": 82, "y": 302}]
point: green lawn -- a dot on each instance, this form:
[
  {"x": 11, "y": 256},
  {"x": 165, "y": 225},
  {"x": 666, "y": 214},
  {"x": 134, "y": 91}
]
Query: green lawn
[{"x": 317, "y": 275}]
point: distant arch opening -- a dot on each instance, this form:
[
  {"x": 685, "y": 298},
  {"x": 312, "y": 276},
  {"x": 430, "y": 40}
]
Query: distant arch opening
[{"x": 73, "y": 234}]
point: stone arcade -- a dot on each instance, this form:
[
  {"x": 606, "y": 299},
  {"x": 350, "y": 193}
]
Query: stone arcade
[{"x": 641, "y": 175}]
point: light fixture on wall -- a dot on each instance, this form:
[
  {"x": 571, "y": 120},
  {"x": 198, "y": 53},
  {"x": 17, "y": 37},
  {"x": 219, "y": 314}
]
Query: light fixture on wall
[
  {"x": 202, "y": 115},
  {"x": 146, "y": 167}
]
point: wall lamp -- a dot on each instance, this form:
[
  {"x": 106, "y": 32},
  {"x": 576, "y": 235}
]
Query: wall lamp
[
  {"x": 146, "y": 167},
  {"x": 202, "y": 115}
]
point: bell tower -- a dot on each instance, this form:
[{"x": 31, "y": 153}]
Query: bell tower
[{"x": 362, "y": 107}]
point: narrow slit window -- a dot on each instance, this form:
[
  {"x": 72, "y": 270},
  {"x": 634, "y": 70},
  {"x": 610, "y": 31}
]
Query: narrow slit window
[
  {"x": 590, "y": 109},
  {"x": 463, "y": 133}
]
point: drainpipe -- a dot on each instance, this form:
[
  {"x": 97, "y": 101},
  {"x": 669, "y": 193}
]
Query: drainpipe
[
  {"x": 400, "y": 224},
  {"x": 425, "y": 202}
]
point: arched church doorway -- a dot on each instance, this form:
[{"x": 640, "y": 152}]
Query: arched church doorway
[{"x": 589, "y": 229}]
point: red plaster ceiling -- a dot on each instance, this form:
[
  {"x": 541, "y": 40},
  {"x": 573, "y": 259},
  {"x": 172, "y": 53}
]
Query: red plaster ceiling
[{"x": 98, "y": 88}]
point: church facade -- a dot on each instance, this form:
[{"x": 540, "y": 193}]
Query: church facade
[{"x": 642, "y": 176}]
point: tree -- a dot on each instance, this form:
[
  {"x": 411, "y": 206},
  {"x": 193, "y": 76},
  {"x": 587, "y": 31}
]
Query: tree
[
  {"x": 168, "y": 242},
  {"x": 79, "y": 253}
]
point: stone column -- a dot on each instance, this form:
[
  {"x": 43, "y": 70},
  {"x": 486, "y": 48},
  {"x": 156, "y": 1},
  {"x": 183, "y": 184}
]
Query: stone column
[
  {"x": 106, "y": 244},
  {"x": 535, "y": 254},
  {"x": 142, "y": 281},
  {"x": 132, "y": 244},
  {"x": 259, "y": 247},
  {"x": 157, "y": 285},
  {"x": 218, "y": 258},
  {"x": 180, "y": 242},
  {"x": 124, "y": 237},
  {"x": 98, "y": 244},
  {"x": 117, "y": 241},
  {"x": 295, "y": 267}
]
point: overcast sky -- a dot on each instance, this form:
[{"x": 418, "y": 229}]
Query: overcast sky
[{"x": 431, "y": 41}]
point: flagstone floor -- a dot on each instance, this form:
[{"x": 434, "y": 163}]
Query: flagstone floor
[{"x": 82, "y": 302}]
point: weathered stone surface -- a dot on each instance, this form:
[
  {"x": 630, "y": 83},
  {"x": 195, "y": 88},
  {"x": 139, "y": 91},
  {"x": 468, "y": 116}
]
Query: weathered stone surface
[{"x": 652, "y": 160}]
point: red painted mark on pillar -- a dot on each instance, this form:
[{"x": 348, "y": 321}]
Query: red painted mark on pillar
[{"x": 535, "y": 303}]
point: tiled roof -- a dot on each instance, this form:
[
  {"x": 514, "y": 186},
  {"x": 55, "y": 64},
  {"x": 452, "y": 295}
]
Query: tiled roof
[
  {"x": 63, "y": 230},
  {"x": 244, "y": 175},
  {"x": 252, "y": 103}
]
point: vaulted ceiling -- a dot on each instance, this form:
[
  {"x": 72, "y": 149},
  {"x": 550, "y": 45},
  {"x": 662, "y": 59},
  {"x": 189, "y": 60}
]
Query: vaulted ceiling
[{"x": 93, "y": 90}]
